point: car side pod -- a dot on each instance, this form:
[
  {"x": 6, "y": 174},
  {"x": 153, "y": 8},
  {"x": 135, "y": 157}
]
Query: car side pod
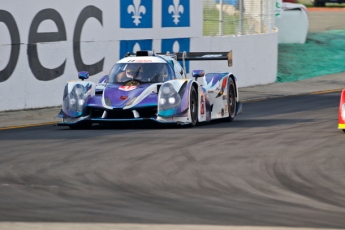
[{"x": 341, "y": 112}]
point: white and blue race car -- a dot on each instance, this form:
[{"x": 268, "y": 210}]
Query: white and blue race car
[{"x": 149, "y": 86}]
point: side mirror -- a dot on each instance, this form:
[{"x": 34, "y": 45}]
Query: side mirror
[
  {"x": 198, "y": 73},
  {"x": 83, "y": 75}
]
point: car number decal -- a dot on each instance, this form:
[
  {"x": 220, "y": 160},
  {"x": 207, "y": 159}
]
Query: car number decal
[
  {"x": 225, "y": 80},
  {"x": 140, "y": 60},
  {"x": 127, "y": 87}
]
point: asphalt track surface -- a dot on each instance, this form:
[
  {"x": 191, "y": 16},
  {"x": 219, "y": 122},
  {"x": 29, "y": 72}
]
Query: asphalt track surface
[
  {"x": 280, "y": 163},
  {"x": 321, "y": 19}
]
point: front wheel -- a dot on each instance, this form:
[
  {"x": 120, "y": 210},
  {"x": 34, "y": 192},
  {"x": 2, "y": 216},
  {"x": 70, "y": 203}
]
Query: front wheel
[
  {"x": 193, "y": 107},
  {"x": 231, "y": 100},
  {"x": 82, "y": 125}
]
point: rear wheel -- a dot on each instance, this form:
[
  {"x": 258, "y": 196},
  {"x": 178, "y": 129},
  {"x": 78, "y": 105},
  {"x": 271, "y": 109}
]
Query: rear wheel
[
  {"x": 193, "y": 107},
  {"x": 231, "y": 100}
]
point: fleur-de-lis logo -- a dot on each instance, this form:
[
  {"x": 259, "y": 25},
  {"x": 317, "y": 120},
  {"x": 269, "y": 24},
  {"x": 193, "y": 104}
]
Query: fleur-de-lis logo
[
  {"x": 136, "y": 47},
  {"x": 176, "y": 47},
  {"x": 136, "y": 9},
  {"x": 176, "y": 9}
]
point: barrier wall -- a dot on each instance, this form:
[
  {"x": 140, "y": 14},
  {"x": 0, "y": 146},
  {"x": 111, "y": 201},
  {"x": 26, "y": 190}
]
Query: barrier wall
[
  {"x": 293, "y": 24},
  {"x": 43, "y": 44}
]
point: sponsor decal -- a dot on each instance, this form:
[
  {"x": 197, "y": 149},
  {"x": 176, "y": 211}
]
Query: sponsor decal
[
  {"x": 225, "y": 80},
  {"x": 123, "y": 97},
  {"x": 143, "y": 61},
  {"x": 202, "y": 103},
  {"x": 223, "y": 86},
  {"x": 127, "y": 87},
  {"x": 211, "y": 55}
]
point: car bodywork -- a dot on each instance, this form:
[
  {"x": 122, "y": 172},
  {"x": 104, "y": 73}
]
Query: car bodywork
[{"x": 132, "y": 93}]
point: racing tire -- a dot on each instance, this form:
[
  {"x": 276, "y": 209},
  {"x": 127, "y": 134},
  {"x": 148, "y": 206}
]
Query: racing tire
[
  {"x": 231, "y": 100},
  {"x": 344, "y": 130},
  {"x": 84, "y": 125},
  {"x": 193, "y": 107}
]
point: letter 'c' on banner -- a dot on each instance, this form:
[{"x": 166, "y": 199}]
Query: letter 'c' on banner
[
  {"x": 39, "y": 71},
  {"x": 86, "y": 13},
  {"x": 9, "y": 21}
]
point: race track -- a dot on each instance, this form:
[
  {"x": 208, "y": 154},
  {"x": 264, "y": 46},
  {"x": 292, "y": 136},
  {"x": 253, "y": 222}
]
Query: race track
[{"x": 280, "y": 163}]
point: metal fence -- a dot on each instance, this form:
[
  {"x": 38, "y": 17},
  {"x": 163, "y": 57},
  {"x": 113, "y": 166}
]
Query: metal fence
[{"x": 238, "y": 17}]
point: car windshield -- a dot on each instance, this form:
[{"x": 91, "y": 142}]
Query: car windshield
[{"x": 142, "y": 72}]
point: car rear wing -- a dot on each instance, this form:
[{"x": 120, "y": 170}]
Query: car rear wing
[
  {"x": 202, "y": 56},
  {"x": 189, "y": 56},
  {"x": 205, "y": 56}
]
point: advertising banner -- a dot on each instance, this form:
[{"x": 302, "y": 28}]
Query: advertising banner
[{"x": 43, "y": 44}]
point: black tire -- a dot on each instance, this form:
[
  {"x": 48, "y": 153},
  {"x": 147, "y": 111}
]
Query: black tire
[
  {"x": 231, "y": 100},
  {"x": 83, "y": 125},
  {"x": 344, "y": 130},
  {"x": 193, "y": 107}
]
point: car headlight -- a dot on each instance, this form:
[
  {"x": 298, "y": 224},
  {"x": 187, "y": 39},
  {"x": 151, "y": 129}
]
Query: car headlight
[
  {"x": 172, "y": 100},
  {"x": 72, "y": 101},
  {"x": 75, "y": 100},
  {"x": 167, "y": 93},
  {"x": 162, "y": 101},
  {"x": 81, "y": 102},
  {"x": 166, "y": 90},
  {"x": 343, "y": 112},
  {"x": 79, "y": 91}
]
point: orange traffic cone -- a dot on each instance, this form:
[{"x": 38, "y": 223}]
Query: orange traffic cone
[{"x": 341, "y": 112}]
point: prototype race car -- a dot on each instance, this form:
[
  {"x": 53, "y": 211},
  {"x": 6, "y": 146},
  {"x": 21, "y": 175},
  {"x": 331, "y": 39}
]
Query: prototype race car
[
  {"x": 149, "y": 86},
  {"x": 341, "y": 112}
]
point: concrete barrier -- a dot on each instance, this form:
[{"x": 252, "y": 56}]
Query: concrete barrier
[{"x": 293, "y": 23}]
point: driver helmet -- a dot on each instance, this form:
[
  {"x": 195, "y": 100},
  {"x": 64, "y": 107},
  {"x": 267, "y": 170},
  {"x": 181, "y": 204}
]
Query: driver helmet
[
  {"x": 134, "y": 70},
  {"x": 159, "y": 71}
]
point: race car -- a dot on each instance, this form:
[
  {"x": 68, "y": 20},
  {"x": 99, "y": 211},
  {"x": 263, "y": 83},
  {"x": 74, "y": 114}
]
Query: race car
[
  {"x": 341, "y": 112},
  {"x": 149, "y": 86}
]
